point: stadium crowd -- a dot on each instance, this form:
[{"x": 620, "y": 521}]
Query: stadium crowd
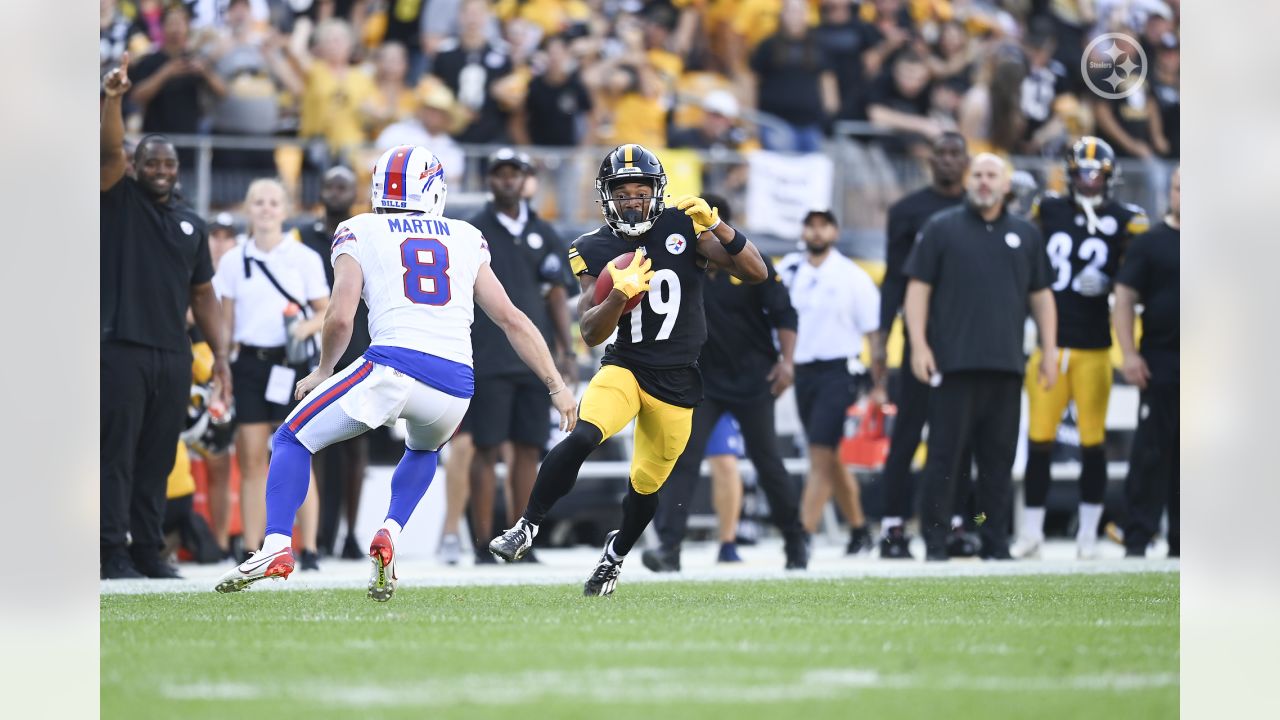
[{"x": 339, "y": 81}]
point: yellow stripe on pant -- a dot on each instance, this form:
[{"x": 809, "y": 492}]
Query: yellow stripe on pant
[
  {"x": 1086, "y": 379},
  {"x": 613, "y": 399}
]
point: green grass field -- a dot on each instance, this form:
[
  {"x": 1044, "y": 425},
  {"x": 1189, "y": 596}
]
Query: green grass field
[{"x": 1047, "y": 646}]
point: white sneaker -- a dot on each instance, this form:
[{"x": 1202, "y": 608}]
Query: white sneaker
[
  {"x": 257, "y": 567},
  {"x": 1086, "y": 550},
  {"x": 450, "y": 549},
  {"x": 382, "y": 580},
  {"x": 1026, "y": 548}
]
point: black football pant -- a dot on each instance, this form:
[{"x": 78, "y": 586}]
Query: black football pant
[
  {"x": 980, "y": 409},
  {"x": 1154, "y": 473},
  {"x": 142, "y": 408},
  {"x": 755, "y": 417},
  {"x": 912, "y": 400}
]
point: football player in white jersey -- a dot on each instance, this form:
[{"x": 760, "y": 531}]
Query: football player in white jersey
[{"x": 420, "y": 275}]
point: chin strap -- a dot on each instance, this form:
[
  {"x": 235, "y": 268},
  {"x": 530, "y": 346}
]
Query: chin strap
[{"x": 1091, "y": 216}]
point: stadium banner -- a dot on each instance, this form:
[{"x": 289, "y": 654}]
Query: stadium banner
[{"x": 782, "y": 188}]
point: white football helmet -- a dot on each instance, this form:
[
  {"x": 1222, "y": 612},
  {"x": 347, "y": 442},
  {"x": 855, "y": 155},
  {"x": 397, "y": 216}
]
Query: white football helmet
[{"x": 408, "y": 177}]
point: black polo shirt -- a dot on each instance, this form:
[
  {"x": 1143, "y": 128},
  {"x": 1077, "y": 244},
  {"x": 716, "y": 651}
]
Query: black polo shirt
[
  {"x": 906, "y": 217},
  {"x": 152, "y": 254},
  {"x": 741, "y": 318},
  {"x": 981, "y": 273},
  {"x": 1152, "y": 268},
  {"x": 523, "y": 265},
  {"x": 315, "y": 235}
]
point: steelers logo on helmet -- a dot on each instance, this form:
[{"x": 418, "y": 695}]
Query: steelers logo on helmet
[
  {"x": 408, "y": 178},
  {"x": 1091, "y": 170},
  {"x": 631, "y": 183}
]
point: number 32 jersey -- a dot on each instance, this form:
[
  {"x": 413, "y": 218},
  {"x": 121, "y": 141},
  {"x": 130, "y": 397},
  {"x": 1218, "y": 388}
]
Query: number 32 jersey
[
  {"x": 1084, "y": 322},
  {"x": 419, "y": 279},
  {"x": 661, "y": 339}
]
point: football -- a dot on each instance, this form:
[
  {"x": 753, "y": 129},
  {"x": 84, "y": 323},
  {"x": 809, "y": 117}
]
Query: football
[{"x": 604, "y": 285}]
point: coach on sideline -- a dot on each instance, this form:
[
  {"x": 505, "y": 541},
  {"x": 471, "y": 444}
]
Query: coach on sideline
[
  {"x": 974, "y": 272},
  {"x": 155, "y": 263}
]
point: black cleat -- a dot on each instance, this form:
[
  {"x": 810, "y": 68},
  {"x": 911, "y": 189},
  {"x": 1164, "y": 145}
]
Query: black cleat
[
  {"x": 859, "y": 541},
  {"x": 515, "y": 542},
  {"x": 351, "y": 550},
  {"x": 605, "y": 577},
  {"x": 797, "y": 551},
  {"x": 309, "y": 560},
  {"x": 662, "y": 560},
  {"x": 895, "y": 545},
  {"x": 116, "y": 565},
  {"x": 485, "y": 558},
  {"x": 963, "y": 544}
]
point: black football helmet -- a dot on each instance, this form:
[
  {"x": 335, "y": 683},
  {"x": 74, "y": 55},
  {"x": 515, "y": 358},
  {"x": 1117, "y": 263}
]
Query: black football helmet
[
  {"x": 1091, "y": 170},
  {"x": 626, "y": 164}
]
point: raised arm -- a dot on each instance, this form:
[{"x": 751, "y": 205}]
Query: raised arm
[
  {"x": 527, "y": 340},
  {"x": 722, "y": 245},
  {"x": 111, "y": 133}
]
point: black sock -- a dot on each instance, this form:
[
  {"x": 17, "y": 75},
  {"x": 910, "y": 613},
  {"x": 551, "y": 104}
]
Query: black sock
[
  {"x": 559, "y": 471},
  {"x": 637, "y": 512},
  {"x": 1093, "y": 474},
  {"x": 1039, "y": 456}
]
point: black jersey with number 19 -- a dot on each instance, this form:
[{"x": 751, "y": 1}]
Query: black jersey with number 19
[{"x": 660, "y": 340}]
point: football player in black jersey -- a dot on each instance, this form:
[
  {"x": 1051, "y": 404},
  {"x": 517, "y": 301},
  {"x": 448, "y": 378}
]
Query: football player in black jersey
[
  {"x": 1086, "y": 233},
  {"x": 650, "y": 373}
]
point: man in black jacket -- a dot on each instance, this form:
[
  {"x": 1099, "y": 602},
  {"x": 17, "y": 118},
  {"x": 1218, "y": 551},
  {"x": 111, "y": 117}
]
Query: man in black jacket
[
  {"x": 749, "y": 372},
  {"x": 511, "y": 403}
]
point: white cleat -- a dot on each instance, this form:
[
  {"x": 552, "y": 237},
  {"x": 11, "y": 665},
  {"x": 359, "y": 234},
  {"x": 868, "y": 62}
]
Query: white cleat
[
  {"x": 382, "y": 580},
  {"x": 1086, "y": 550},
  {"x": 257, "y": 567},
  {"x": 1026, "y": 548},
  {"x": 450, "y": 549}
]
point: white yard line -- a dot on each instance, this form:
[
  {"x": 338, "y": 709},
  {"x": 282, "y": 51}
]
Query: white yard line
[{"x": 571, "y": 567}]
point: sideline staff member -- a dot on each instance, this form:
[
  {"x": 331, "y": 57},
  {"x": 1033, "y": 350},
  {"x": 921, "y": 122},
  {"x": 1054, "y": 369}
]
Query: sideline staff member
[
  {"x": 974, "y": 273},
  {"x": 836, "y": 303},
  {"x": 1150, "y": 275},
  {"x": 155, "y": 263}
]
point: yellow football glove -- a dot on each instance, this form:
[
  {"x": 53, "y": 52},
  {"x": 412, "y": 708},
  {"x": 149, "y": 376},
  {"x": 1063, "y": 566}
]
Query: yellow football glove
[
  {"x": 634, "y": 278},
  {"x": 704, "y": 216}
]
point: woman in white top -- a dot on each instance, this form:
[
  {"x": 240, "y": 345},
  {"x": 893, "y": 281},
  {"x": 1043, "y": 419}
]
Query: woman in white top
[{"x": 255, "y": 308}]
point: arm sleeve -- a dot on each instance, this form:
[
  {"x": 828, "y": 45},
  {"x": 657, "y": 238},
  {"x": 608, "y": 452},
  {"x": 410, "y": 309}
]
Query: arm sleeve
[
  {"x": 925, "y": 261},
  {"x": 203, "y": 270},
  {"x": 776, "y": 301}
]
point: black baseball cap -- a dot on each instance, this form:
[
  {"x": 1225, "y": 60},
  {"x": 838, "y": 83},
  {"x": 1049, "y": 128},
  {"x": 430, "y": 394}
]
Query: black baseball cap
[
  {"x": 830, "y": 216},
  {"x": 512, "y": 157}
]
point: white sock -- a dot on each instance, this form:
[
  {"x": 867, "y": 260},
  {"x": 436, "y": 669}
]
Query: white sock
[
  {"x": 1033, "y": 523},
  {"x": 275, "y": 542},
  {"x": 889, "y": 523},
  {"x": 533, "y": 529},
  {"x": 1090, "y": 515},
  {"x": 393, "y": 528},
  {"x": 608, "y": 549},
  {"x": 956, "y": 522}
]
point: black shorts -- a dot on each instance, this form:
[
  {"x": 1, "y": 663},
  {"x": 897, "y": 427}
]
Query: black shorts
[
  {"x": 249, "y": 374},
  {"x": 824, "y": 392},
  {"x": 509, "y": 407}
]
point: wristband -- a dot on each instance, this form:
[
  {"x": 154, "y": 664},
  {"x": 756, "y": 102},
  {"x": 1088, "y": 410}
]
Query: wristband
[
  {"x": 710, "y": 228},
  {"x": 557, "y": 392},
  {"x": 735, "y": 246}
]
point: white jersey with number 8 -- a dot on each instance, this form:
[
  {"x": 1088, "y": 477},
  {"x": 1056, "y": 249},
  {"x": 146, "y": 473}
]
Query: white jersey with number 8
[{"x": 419, "y": 279}]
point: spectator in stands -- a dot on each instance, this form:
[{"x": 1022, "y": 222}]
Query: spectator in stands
[
  {"x": 337, "y": 93},
  {"x": 845, "y": 38},
  {"x": 1131, "y": 124},
  {"x": 1150, "y": 276},
  {"x": 169, "y": 82},
  {"x": 470, "y": 70},
  {"x": 155, "y": 264},
  {"x": 1045, "y": 130},
  {"x": 899, "y": 101},
  {"x": 259, "y": 280},
  {"x": 795, "y": 82},
  {"x": 718, "y": 129},
  {"x": 991, "y": 116},
  {"x": 951, "y": 57},
  {"x": 116, "y": 34},
  {"x": 429, "y": 127},
  {"x": 254, "y": 69},
  {"x": 407, "y": 27},
  {"x": 966, "y": 329},
  {"x": 629, "y": 94},
  {"x": 393, "y": 98},
  {"x": 837, "y": 303},
  {"x": 890, "y": 30},
  {"x": 557, "y": 110},
  {"x": 1165, "y": 86}
]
